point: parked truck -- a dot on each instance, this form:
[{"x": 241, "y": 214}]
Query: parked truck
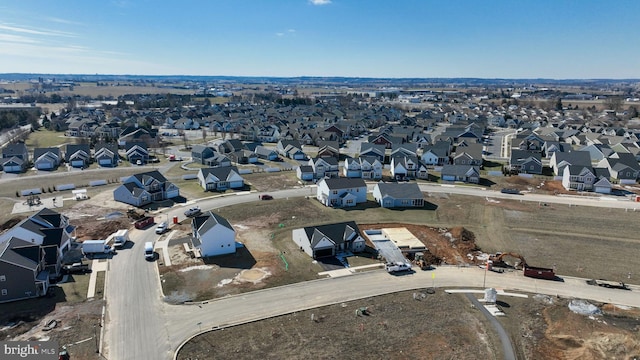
[
  {"x": 91, "y": 248},
  {"x": 120, "y": 238},
  {"x": 394, "y": 267}
]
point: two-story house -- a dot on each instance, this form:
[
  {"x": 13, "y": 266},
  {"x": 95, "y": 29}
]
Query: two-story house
[
  {"x": 341, "y": 192},
  {"x": 324, "y": 167},
  {"x": 144, "y": 188}
]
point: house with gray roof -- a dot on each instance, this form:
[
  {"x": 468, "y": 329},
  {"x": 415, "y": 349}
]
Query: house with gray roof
[
  {"x": 464, "y": 173},
  {"x": 586, "y": 178},
  {"x": 212, "y": 235},
  {"x": 136, "y": 151},
  {"x": 23, "y": 273},
  {"x": 107, "y": 154},
  {"x": 341, "y": 192},
  {"x": 525, "y": 162},
  {"x": 78, "y": 155},
  {"x": 46, "y": 158},
  {"x": 622, "y": 166},
  {"x": 220, "y": 178},
  {"x": 48, "y": 229},
  {"x": 375, "y": 150},
  {"x": 561, "y": 159},
  {"x": 398, "y": 195},
  {"x": 144, "y": 188},
  {"x": 328, "y": 240}
]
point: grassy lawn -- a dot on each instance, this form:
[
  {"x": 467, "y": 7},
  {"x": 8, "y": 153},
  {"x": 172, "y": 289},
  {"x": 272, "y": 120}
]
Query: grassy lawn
[
  {"x": 47, "y": 138},
  {"x": 75, "y": 289},
  {"x": 100, "y": 285}
]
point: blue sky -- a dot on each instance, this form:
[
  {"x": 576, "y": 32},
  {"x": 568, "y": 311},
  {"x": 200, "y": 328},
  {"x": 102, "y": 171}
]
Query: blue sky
[{"x": 558, "y": 39}]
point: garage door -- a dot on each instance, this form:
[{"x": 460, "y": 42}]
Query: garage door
[
  {"x": 77, "y": 163},
  {"x": 323, "y": 253},
  {"x": 105, "y": 162}
]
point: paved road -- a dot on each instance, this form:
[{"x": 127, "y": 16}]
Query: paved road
[
  {"x": 136, "y": 316},
  {"x": 507, "y": 346},
  {"x": 141, "y": 326}
]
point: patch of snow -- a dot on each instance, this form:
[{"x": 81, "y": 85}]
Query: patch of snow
[
  {"x": 224, "y": 282},
  {"x": 584, "y": 307},
  {"x": 240, "y": 226},
  {"x": 197, "y": 267}
]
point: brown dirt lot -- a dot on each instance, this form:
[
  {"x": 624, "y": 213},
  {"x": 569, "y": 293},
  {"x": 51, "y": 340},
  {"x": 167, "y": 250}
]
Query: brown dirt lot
[{"x": 435, "y": 326}]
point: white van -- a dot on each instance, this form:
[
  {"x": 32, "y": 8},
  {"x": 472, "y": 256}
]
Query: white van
[{"x": 148, "y": 251}]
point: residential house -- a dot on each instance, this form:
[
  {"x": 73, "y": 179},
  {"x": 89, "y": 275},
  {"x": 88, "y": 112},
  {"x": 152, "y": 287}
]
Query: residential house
[
  {"x": 398, "y": 195},
  {"x": 201, "y": 153},
  {"x": 229, "y": 146},
  {"x": 437, "y": 154},
  {"x": 375, "y": 150},
  {"x": 78, "y": 155},
  {"x": 464, "y": 173},
  {"x": 598, "y": 151},
  {"x": 46, "y": 158},
  {"x": 525, "y": 162},
  {"x": 324, "y": 167},
  {"x": 220, "y": 178},
  {"x": 352, "y": 168},
  {"x": 550, "y": 147},
  {"x": 144, "y": 188},
  {"x": 322, "y": 241},
  {"x": 341, "y": 192},
  {"x": 622, "y": 166},
  {"x": 370, "y": 167},
  {"x": 15, "y": 158},
  {"x": 107, "y": 154},
  {"x": 243, "y": 157},
  {"x": 291, "y": 149},
  {"x": 329, "y": 149},
  {"x": 186, "y": 124},
  {"x": 23, "y": 273},
  {"x": 48, "y": 229},
  {"x": 404, "y": 167},
  {"x": 305, "y": 172},
  {"x": 212, "y": 235},
  {"x": 138, "y": 134},
  {"x": 468, "y": 155},
  {"x": 136, "y": 152},
  {"x": 266, "y": 153},
  {"x": 586, "y": 178},
  {"x": 561, "y": 159}
]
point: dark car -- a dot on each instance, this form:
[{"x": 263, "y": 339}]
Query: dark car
[
  {"x": 194, "y": 211},
  {"x": 266, "y": 197}
]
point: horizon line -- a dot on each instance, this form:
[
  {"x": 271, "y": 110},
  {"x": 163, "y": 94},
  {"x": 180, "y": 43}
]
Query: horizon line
[{"x": 329, "y": 77}]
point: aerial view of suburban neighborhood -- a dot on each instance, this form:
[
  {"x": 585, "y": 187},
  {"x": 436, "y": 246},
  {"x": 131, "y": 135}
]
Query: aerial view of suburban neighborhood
[{"x": 313, "y": 211}]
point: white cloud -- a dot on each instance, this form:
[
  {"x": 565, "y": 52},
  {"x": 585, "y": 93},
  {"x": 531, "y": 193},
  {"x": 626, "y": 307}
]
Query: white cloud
[
  {"x": 291, "y": 30},
  {"x": 279, "y": 34},
  {"x": 26, "y": 30},
  {"x": 320, "y": 2},
  {"x": 17, "y": 39},
  {"x": 62, "y": 21}
]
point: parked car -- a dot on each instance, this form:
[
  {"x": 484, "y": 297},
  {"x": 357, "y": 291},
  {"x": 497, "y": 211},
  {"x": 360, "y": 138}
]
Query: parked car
[
  {"x": 162, "y": 228},
  {"x": 194, "y": 211},
  {"x": 76, "y": 268},
  {"x": 266, "y": 197}
]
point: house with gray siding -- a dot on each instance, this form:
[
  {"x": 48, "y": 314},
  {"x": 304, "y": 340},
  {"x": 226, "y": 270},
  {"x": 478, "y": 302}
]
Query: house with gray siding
[
  {"x": 341, "y": 192},
  {"x": 398, "y": 195},
  {"x": 220, "y": 178},
  {"x": 144, "y": 188},
  {"x": 23, "y": 273},
  {"x": 322, "y": 241}
]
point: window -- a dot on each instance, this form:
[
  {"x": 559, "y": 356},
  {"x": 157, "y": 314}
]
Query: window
[
  {"x": 3, "y": 278},
  {"x": 4, "y": 292},
  {"x": 335, "y": 192}
]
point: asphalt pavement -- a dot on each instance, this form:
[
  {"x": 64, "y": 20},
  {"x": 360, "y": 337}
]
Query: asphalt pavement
[{"x": 141, "y": 326}]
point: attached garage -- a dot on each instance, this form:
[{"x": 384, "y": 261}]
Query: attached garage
[
  {"x": 77, "y": 163},
  {"x": 13, "y": 165},
  {"x": 323, "y": 253}
]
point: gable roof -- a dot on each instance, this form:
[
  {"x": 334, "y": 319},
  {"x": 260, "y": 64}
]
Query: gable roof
[
  {"x": 338, "y": 233},
  {"x": 400, "y": 190},
  {"x": 344, "y": 183},
  {"x": 208, "y": 220}
]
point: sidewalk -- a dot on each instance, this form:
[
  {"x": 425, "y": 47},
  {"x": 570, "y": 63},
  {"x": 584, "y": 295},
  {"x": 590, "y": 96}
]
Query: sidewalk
[{"x": 96, "y": 265}]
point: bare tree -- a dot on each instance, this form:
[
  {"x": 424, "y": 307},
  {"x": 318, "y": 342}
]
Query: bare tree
[{"x": 613, "y": 103}]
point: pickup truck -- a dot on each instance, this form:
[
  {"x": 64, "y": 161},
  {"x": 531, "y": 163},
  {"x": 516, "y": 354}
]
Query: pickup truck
[
  {"x": 76, "y": 268},
  {"x": 397, "y": 267}
]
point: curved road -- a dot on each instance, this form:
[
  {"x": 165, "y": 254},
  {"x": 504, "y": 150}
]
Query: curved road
[
  {"x": 507, "y": 346},
  {"x": 141, "y": 326}
]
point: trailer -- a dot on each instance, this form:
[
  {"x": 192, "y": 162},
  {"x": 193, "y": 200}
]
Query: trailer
[
  {"x": 609, "y": 284},
  {"x": 539, "y": 272}
]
